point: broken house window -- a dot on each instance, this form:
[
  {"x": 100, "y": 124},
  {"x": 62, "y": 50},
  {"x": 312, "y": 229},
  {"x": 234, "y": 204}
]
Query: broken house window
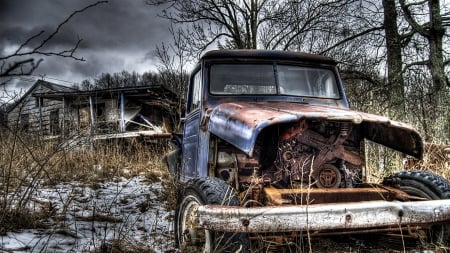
[
  {"x": 38, "y": 101},
  {"x": 54, "y": 122},
  {"x": 24, "y": 123}
]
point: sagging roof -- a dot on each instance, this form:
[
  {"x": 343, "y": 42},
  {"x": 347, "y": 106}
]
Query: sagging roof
[
  {"x": 53, "y": 87},
  {"x": 133, "y": 91}
]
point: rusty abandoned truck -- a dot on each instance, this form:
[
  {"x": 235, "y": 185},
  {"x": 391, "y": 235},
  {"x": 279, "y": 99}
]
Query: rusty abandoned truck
[{"x": 271, "y": 152}]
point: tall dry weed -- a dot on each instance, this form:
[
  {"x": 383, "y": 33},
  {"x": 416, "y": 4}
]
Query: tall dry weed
[
  {"x": 382, "y": 161},
  {"x": 436, "y": 159},
  {"x": 28, "y": 161},
  {"x": 24, "y": 162}
]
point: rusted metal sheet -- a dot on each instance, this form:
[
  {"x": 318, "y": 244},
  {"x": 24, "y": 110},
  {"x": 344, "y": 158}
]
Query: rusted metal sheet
[
  {"x": 240, "y": 123},
  {"x": 322, "y": 217},
  {"x": 319, "y": 196}
]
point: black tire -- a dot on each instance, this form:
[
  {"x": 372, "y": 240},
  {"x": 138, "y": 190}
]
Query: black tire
[
  {"x": 427, "y": 185},
  {"x": 202, "y": 191}
]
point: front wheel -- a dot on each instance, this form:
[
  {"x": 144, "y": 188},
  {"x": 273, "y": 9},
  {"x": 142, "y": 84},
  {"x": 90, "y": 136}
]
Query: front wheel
[
  {"x": 427, "y": 186},
  {"x": 191, "y": 238}
]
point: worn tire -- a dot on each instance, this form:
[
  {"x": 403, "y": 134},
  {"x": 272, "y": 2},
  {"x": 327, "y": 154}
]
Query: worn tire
[
  {"x": 203, "y": 191},
  {"x": 430, "y": 186}
]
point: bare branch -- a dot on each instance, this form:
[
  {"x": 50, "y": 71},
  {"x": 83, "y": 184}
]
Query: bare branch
[
  {"x": 22, "y": 46},
  {"x": 411, "y": 21},
  {"x": 19, "y": 66},
  {"x": 378, "y": 28},
  {"x": 419, "y": 63},
  {"x": 13, "y": 67},
  {"x": 52, "y": 35}
]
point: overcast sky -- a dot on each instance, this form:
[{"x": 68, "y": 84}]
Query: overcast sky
[{"x": 119, "y": 35}]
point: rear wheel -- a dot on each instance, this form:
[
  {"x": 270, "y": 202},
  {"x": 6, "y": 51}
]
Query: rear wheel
[
  {"x": 191, "y": 238},
  {"x": 427, "y": 186}
]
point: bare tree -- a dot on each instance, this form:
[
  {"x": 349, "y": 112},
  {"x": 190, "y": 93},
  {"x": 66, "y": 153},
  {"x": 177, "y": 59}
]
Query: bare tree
[
  {"x": 229, "y": 23},
  {"x": 251, "y": 24},
  {"x": 427, "y": 22},
  {"x": 23, "y": 61},
  {"x": 433, "y": 29},
  {"x": 173, "y": 60},
  {"x": 303, "y": 25}
]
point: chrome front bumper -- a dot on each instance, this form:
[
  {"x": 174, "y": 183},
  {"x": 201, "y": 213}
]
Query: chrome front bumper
[{"x": 357, "y": 215}]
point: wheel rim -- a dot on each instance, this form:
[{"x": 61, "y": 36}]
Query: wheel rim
[
  {"x": 416, "y": 192},
  {"x": 192, "y": 238}
]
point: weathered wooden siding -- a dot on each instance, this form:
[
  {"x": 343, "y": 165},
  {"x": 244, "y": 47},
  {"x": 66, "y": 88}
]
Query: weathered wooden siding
[
  {"x": 38, "y": 116},
  {"x": 46, "y": 116}
]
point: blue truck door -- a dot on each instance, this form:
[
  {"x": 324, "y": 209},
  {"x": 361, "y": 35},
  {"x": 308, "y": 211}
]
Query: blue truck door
[{"x": 191, "y": 128}]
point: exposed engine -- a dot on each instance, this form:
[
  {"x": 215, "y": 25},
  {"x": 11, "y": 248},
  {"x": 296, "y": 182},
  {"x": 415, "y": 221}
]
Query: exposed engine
[
  {"x": 316, "y": 153},
  {"x": 321, "y": 154}
]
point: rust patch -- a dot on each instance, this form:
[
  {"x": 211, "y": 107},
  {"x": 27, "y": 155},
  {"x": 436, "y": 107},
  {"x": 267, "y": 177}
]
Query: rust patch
[{"x": 319, "y": 196}]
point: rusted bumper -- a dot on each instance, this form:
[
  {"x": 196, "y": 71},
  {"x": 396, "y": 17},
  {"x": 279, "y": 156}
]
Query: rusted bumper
[{"x": 357, "y": 215}]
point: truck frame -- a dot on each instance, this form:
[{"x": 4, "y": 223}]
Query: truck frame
[{"x": 270, "y": 152}]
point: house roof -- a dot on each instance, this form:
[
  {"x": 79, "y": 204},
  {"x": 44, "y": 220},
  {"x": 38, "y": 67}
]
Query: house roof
[
  {"x": 55, "y": 87},
  {"x": 40, "y": 83},
  {"x": 149, "y": 94},
  {"x": 135, "y": 91},
  {"x": 58, "y": 92}
]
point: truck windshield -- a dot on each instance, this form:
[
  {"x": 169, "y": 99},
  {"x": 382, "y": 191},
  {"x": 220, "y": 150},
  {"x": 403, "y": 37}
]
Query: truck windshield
[{"x": 272, "y": 79}]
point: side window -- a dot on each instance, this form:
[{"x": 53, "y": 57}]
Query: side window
[{"x": 196, "y": 91}]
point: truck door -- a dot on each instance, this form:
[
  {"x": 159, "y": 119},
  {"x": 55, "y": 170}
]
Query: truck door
[{"x": 191, "y": 128}]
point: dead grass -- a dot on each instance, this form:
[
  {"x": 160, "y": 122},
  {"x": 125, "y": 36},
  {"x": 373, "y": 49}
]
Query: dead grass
[
  {"x": 436, "y": 160},
  {"x": 28, "y": 161},
  {"x": 382, "y": 162},
  {"x": 14, "y": 219},
  {"x": 112, "y": 159},
  {"x": 122, "y": 246}
]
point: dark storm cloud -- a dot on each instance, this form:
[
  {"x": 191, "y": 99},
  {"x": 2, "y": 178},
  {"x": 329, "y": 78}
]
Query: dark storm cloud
[{"x": 115, "y": 36}]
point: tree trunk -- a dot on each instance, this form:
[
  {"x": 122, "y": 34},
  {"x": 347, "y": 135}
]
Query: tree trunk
[
  {"x": 436, "y": 66},
  {"x": 394, "y": 60},
  {"x": 435, "y": 38}
]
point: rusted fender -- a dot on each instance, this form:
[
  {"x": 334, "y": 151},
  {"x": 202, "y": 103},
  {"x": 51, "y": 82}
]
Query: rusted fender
[
  {"x": 240, "y": 123},
  {"x": 356, "y": 215}
]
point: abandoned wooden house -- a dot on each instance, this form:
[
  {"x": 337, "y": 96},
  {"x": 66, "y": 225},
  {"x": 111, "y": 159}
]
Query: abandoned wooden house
[{"x": 58, "y": 111}]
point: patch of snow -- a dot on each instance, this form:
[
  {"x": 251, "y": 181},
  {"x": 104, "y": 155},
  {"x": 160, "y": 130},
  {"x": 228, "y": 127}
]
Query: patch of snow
[{"x": 86, "y": 218}]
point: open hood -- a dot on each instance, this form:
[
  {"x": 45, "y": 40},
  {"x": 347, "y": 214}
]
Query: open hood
[{"x": 240, "y": 123}]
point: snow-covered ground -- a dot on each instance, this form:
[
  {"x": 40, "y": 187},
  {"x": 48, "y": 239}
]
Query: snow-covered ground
[
  {"x": 127, "y": 214},
  {"x": 91, "y": 217}
]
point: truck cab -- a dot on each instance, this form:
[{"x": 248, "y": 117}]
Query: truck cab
[{"x": 270, "y": 150}]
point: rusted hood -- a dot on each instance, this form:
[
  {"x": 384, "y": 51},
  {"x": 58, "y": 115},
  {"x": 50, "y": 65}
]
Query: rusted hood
[{"x": 240, "y": 123}]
